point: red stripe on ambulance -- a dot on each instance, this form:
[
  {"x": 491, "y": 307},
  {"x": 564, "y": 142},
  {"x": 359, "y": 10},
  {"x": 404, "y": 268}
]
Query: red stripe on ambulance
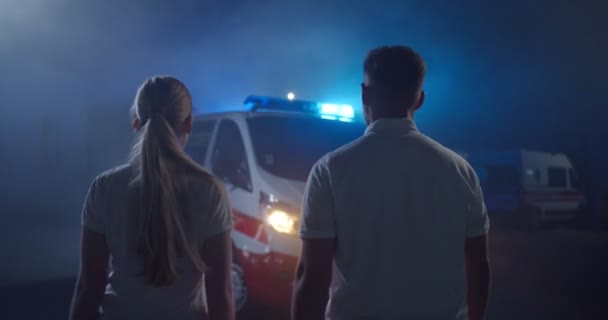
[{"x": 250, "y": 226}]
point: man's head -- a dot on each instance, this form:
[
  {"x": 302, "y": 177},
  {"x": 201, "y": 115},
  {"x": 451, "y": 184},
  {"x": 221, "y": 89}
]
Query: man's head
[{"x": 392, "y": 87}]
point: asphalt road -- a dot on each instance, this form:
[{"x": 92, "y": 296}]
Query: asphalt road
[
  {"x": 552, "y": 274},
  {"x": 559, "y": 273}
]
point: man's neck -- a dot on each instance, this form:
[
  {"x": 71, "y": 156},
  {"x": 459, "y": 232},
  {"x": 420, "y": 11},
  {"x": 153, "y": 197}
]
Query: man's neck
[{"x": 407, "y": 116}]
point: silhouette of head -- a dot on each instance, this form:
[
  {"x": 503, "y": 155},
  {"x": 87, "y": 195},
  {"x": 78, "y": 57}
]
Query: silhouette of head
[
  {"x": 165, "y": 100},
  {"x": 392, "y": 85}
]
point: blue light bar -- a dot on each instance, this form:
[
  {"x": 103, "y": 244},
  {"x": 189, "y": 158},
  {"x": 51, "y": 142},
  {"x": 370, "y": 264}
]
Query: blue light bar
[
  {"x": 267, "y": 103},
  {"x": 343, "y": 111},
  {"x": 324, "y": 116},
  {"x": 330, "y": 111}
]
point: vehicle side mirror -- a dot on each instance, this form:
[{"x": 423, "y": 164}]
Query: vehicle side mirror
[{"x": 230, "y": 173}]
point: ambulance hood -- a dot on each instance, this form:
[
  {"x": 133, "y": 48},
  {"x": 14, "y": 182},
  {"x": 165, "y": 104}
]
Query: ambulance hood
[{"x": 288, "y": 191}]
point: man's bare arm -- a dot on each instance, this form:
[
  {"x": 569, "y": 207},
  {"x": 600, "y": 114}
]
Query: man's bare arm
[
  {"x": 313, "y": 279},
  {"x": 478, "y": 276}
]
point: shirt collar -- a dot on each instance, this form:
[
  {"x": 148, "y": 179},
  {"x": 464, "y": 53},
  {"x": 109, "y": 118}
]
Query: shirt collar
[{"x": 391, "y": 126}]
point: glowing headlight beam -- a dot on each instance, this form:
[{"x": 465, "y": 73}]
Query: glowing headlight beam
[{"x": 282, "y": 222}]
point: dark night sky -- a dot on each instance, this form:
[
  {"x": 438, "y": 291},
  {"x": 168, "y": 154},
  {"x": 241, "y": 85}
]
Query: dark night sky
[{"x": 500, "y": 73}]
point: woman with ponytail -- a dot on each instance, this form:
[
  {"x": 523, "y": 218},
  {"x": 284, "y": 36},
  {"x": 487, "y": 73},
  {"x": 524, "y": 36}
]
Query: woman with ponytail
[{"x": 156, "y": 231}]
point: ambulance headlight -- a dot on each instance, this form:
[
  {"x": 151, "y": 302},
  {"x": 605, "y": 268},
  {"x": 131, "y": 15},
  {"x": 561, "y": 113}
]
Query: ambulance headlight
[{"x": 283, "y": 222}]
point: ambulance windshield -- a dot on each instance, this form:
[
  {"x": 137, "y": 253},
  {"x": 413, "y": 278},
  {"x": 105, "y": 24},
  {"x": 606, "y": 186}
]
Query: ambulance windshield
[{"x": 288, "y": 147}]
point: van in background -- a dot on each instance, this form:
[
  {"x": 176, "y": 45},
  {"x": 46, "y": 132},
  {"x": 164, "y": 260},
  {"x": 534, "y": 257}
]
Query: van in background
[{"x": 534, "y": 187}]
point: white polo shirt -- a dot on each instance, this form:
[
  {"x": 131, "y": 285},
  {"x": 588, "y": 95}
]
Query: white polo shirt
[
  {"x": 400, "y": 206},
  {"x": 127, "y": 296}
]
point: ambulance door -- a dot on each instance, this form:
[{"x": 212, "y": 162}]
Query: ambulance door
[
  {"x": 230, "y": 163},
  {"x": 199, "y": 142}
]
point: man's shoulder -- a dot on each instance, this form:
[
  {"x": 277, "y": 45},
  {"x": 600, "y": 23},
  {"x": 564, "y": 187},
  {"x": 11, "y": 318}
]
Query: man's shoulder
[
  {"x": 454, "y": 162},
  {"x": 443, "y": 152},
  {"x": 345, "y": 151}
]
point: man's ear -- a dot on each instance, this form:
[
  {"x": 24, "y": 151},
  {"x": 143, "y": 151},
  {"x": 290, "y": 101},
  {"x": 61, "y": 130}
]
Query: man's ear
[
  {"x": 367, "y": 98},
  {"x": 420, "y": 101},
  {"x": 188, "y": 124},
  {"x": 366, "y": 95}
]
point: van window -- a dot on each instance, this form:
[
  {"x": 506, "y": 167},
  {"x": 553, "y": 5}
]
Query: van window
[
  {"x": 198, "y": 144},
  {"x": 498, "y": 175},
  {"x": 229, "y": 158},
  {"x": 557, "y": 177}
]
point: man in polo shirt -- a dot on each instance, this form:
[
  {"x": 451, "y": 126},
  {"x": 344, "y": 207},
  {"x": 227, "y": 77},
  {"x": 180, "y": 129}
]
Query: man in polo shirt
[{"x": 394, "y": 225}]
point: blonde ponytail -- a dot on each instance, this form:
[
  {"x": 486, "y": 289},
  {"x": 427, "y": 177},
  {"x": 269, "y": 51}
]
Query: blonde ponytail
[{"x": 162, "y": 104}]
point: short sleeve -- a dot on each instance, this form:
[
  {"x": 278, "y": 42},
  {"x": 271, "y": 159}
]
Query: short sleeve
[
  {"x": 318, "y": 216},
  {"x": 92, "y": 217},
  {"x": 221, "y": 219},
  {"x": 478, "y": 222}
]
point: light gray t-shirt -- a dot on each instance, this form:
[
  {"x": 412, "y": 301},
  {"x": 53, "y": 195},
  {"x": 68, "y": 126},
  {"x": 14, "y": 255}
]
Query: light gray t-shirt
[
  {"x": 107, "y": 211},
  {"x": 400, "y": 207}
]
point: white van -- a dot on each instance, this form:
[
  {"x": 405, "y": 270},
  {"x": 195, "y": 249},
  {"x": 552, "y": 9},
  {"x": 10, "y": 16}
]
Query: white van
[
  {"x": 264, "y": 156},
  {"x": 542, "y": 186}
]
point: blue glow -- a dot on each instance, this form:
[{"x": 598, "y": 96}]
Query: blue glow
[
  {"x": 343, "y": 111},
  {"x": 328, "y": 117},
  {"x": 330, "y": 111},
  {"x": 347, "y": 111},
  {"x": 329, "y": 108}
]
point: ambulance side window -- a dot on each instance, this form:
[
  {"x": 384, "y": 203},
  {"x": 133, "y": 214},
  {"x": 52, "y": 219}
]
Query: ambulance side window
[
  {"x": 198, "y": 144},
  {"x": 229, "y": 158}
]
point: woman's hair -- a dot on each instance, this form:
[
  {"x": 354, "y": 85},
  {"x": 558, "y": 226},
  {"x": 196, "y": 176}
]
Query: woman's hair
[{"x": 162, "y": 107}]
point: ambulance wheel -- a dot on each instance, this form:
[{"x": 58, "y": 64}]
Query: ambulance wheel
[{"x": 239, "y": 290}]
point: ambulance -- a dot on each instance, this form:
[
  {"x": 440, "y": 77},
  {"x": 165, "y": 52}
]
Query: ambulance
[
  {"x": 535, "y": 187},
  {"x": 264, "y": 155}
]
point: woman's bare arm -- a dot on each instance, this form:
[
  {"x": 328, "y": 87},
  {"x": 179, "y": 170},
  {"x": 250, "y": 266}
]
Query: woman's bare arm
[
  {"x": 217, "y": 255},
  {"x": 92, "y": 277}
]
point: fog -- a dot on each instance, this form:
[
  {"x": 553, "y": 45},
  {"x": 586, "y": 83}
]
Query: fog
[{"x": 501, "y": 74}]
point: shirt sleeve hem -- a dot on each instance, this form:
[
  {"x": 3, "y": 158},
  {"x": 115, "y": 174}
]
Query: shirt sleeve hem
[
  {"x": 220, "y": 230},
  {"x": 93, "y": 227},
  {"x": 317, "y": 235},
  {"x": 478, "y": 233}
]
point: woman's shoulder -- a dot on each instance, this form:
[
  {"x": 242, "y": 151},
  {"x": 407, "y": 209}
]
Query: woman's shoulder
[
  {"x": 202, "y": 181},
  {"x": 121, "y": 170},
  {"x": 206, "y": 188},
  {"x": 120, "y": 173}
]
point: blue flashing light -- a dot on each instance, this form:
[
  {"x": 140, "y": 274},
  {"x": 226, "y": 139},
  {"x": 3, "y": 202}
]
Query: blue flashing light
[
  {"x": 343, "y": 111},
  {"x": 329, "y": 108},
  {"x": 328, "y": 117},
  {"x": 267, "y": 103},
  {"x": 347, "y": 111},
  {"x": 330, "y": 111}
]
